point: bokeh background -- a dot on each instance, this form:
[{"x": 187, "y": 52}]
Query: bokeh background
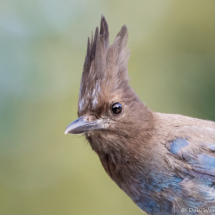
[{"x": 42, "y": 50}]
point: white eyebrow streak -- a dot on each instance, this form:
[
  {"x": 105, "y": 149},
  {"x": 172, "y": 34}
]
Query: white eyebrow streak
[
  {"x": 95, "y": 93},
  {"x": 81, "y": 103},
  {"x": 98, "y": 89},
  {"x": 94, "y": 102}
]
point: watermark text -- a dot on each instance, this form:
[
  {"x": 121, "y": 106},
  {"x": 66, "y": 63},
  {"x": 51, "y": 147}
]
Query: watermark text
[{"x": 196, "y": 210}]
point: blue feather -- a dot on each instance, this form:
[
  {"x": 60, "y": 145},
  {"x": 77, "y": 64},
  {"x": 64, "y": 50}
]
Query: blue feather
[
  {"x": 206, "y": 160},
  {"x": 177, "y": 145}
]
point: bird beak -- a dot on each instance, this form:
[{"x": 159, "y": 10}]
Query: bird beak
[{"x": 82, "y": 125}]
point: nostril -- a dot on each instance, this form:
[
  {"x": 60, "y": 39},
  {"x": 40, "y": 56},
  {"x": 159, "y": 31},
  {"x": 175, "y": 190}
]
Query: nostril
[{"x": 90, "y": 118}]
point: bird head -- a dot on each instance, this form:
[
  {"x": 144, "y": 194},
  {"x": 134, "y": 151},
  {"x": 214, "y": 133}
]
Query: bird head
[{"x": 107, "y": 104}]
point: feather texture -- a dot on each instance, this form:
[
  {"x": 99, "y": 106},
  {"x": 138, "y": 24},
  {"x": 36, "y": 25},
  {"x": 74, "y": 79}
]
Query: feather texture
[
  {"x": 163, "y": 162},
  {"x": 105, "y": 66}
]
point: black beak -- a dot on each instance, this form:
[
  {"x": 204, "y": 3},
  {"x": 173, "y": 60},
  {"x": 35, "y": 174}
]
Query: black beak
[{"x": 82, "y": 125}]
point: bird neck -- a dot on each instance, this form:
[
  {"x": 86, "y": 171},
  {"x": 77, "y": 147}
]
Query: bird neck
[{"x": 120, "y": 152}]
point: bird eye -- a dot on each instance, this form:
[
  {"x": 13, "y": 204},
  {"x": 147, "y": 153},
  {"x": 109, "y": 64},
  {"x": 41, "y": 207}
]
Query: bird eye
[{"x": 117, "y": 108}]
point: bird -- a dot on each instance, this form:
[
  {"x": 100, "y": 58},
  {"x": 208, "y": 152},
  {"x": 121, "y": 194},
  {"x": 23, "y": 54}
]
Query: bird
[{"x": 164, "y": 162}]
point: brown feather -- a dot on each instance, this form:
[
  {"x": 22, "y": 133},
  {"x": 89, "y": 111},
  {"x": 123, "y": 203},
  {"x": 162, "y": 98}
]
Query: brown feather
[{"x": 135, "y": 147}]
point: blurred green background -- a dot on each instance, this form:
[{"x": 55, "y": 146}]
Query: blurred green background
[{"x": 43, "y": 45}]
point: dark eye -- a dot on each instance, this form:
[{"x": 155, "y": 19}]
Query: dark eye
[{"x": 117, "y": 108}]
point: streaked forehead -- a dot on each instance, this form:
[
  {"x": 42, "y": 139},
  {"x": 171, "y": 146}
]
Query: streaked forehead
[
  {"x": 105, "y": 68},
  {"x": 90, "y": 97}
]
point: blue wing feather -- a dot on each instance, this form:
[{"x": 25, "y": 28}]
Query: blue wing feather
[
  {"x": 177, "y": 145},
  {"x": 200, "y": 163},
  {"x": 206, "y": 160}
]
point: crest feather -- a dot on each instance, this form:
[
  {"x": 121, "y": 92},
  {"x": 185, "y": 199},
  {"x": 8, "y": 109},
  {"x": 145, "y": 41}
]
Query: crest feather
[{"x": 105, "y": 65}]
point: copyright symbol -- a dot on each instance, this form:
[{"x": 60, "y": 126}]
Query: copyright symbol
[{"x": 183, "y": 210}]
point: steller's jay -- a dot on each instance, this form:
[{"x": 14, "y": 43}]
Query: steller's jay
[{"x": 164, "y": 162}]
